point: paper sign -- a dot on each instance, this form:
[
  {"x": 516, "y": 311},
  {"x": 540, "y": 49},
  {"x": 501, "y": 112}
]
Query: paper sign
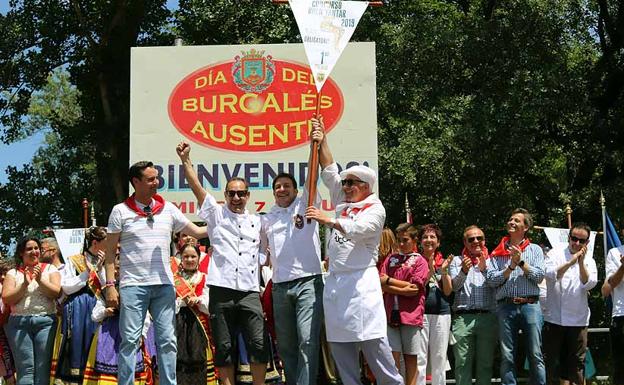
[
  {"x": 71, "y": 242},
  {"x": 326, "y": 28},
  {"x": 558, "y": 238}
]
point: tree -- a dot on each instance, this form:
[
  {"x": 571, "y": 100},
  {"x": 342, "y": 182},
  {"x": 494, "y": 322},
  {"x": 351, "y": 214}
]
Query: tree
[{"x": 88, "y": 156}]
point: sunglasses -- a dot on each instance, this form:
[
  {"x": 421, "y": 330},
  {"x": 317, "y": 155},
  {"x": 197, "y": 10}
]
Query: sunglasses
[
  {"x": 582, "y": 241},
  {"x": 148, "y": 211},
  {"x": 240, "y": 193},
  {"x": 350, "y": 182},
  {"x": 478, "y": 238}
]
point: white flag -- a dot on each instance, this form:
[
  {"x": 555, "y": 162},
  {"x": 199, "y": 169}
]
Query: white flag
[
  {"x": 558, "y": 238},
  {"x": 326, "y": 27}
]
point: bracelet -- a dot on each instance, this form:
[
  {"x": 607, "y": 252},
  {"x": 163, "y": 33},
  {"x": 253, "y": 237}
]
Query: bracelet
[
  {"x": 388, "y": 281},
  {"x": 509, "y": 267}
]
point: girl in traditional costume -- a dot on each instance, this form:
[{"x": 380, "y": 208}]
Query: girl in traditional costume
[
  {"x": 30, "y": 290},
  {"x": 181, "y": 239},
  {"x": 76, "y": 331},
  {"x": 194, "y": 359},
  {"x": 101, "y": 367}
]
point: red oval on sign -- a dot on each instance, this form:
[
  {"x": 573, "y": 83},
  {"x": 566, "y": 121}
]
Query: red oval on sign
[{"x": 252, "y": 103}]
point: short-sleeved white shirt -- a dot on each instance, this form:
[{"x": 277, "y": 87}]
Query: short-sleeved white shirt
[
  {"x": 235, "y": 260},
  {"x": 145, "y": 247},
  {"x": 612, "y": 264},
  {"x": 295, "y": 251}
]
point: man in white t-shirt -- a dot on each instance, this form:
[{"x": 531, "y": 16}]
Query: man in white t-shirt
[
  {"x": 233, "y": 274},
  {"x": 297, "y": 293},
  {"x": 143, "y": 225}
]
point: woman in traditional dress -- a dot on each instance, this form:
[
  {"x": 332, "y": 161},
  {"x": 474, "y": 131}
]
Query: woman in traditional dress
[
  {"x": 76, "y": 330},
  {"x": 7, "y": 366},
  {"x": 194, "y": 359},
  {"x": 30, "y": 290},
  {"x": 101, "y": 367}
]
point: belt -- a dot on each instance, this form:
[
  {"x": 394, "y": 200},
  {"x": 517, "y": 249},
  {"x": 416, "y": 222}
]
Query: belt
[
  {"x": 472, "y": 311},
  {"x": 521, "y": 300}
]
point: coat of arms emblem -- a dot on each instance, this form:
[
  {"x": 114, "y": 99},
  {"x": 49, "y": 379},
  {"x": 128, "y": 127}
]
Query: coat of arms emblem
[{"x": 253, "y": 72}]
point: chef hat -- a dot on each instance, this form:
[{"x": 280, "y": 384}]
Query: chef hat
[{"x": 365, "y": 174}]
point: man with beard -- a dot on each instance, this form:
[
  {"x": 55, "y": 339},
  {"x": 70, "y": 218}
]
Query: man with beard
[
  {"x": 355, "y": 317},
  {"x": 515, "y": 268},
  {"x": 474, "y": 322}
]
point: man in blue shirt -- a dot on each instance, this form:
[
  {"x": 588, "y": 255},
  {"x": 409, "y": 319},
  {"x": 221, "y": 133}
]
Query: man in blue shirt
[{"x": 515, "y": 268}]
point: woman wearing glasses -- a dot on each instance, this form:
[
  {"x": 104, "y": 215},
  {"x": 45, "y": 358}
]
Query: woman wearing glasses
[{"x": 30, "y": 290}]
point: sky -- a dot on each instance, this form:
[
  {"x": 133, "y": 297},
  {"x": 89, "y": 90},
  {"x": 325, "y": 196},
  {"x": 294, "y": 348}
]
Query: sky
[{"x": 19, "y": 153}]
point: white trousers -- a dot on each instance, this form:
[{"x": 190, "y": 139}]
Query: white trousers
[
  {"x": 378, "y": 356},
  {"x": 432, "y": 348}
]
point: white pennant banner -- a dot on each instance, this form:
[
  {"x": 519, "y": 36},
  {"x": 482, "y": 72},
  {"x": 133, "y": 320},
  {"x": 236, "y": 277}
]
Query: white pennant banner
[
  {"x": 558, "y": 238},
  {"x": 71, "y": 242},
  {"x": 326, "y": 28}
]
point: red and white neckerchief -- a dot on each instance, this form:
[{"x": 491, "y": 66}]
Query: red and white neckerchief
[
  {"x": 475, "y": 260},
  {"x": 353, "y": 211},
  {"x": 503, "y": 247},
  {"x": 22, "y": 268},
  {"x": 159, "y": 205}
]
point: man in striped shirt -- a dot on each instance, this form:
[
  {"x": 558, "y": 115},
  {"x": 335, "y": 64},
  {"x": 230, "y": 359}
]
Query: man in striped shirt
[
  {"x": 142, "y": 225},
  {"x": 515, "y": 268},
  {"x": 474, "y": 319}
]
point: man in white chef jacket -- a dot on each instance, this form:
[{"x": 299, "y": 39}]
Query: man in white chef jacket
[{"x": 355, "y": 318}]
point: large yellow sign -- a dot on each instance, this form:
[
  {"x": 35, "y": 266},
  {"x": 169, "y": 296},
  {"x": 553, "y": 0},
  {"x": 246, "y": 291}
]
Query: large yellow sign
[{"x": 246, "y": 110}]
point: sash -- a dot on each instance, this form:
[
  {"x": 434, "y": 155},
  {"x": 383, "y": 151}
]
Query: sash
[
  {"x": 184, "y": 289},
  {"x": 159, "y": 205},
  {"x": 93, "y": 282}
]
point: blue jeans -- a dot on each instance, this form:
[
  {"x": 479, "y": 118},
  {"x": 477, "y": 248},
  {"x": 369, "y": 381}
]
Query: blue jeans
[
  {"x": 31, "y": 339},
  {"x": 527, "y": 317},
  {"x": 135, "y": 301},
  {"x": 298, "y": 313}
]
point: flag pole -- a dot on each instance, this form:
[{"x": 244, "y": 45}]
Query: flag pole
[
  {"x": 604, "y": 224},
  {"x": 408, "y": 212},
  {"x": 314, "y": 161},
  {"x": 85, "y": 212}
]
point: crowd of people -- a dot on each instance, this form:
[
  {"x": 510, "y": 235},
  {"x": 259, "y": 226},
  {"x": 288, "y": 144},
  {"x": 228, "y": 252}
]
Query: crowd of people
[{"x": 262, "y": 305}]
